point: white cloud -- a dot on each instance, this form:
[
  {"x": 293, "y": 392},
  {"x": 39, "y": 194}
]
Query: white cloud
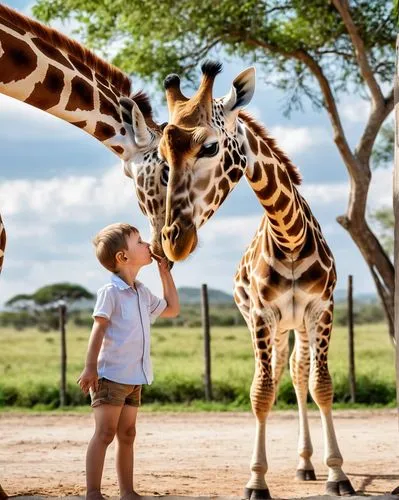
[
  {"x": 324, "y": 194},
  {"x": 36, "y": 124},
  {"x": 69, "y": 199},
  {"x": 381, "y": 188},
  {"x": 354, "y": 110},
  {"x": 66, "y": 213},
  {"x": 296, "y": 140},
  {"x": 238, "y": 231}
]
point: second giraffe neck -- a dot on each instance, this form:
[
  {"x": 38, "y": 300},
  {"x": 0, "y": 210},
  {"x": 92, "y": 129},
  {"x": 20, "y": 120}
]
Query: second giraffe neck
[{"x": 272, "y": 177}]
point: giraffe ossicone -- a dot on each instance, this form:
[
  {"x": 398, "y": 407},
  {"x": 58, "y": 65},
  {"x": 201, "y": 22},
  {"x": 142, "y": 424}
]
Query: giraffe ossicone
[{"x": 286, "y": 277}]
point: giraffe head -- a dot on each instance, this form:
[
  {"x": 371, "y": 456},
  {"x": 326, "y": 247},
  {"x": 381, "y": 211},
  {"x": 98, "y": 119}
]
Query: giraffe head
[
  {"x": 203, "y": 146},
  {"x": 143, "y": 165}
]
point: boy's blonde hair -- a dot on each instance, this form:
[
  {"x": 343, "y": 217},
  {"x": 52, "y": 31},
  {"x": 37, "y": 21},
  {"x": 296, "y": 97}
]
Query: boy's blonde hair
[{"x": 111, "y": 240}]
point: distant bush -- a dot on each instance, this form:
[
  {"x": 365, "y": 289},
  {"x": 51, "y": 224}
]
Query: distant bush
[
  {"x": 190, "y": 316},
  {"x": 362, "y": 314},
  {"x": 17, "y": 320},
  {"x": 172, "y": 389}
]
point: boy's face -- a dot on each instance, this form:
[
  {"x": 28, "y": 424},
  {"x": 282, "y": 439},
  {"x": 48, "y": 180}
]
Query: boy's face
[{"x": 138, "y": 251}]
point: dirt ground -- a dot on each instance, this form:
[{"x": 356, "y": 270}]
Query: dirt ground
[{"x": 195, "y": 454}]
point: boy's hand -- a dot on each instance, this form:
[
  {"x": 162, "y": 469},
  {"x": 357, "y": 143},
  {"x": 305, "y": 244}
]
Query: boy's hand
[
  {"x": 88, "y": 378},
  {"x": 163, "y": 265}
]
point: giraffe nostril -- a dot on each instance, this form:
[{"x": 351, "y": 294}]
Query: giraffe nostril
[{"x": 174, "y": 234}]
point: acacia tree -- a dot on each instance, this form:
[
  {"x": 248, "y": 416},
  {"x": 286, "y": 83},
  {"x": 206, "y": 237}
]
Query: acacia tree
[
  {"x": 315, "y": 50},
  {"x": 45, "y": 301}
]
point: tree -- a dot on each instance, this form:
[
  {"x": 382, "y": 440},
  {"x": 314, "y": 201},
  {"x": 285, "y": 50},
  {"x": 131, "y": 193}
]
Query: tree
[
  {"x": 383, "y": 217},
  {"x": 44, "y": 302},
  {"x": 49, "y": 295},
  {"x": 315, "y": 49}
]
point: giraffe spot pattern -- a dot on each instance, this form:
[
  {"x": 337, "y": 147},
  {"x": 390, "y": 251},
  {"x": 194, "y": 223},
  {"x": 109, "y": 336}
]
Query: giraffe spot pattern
[
  {"x": 18, "y": 59},
  {"x": 106, "y": 91},
  {"x": 52, "y": 53},
  {"x": 267, "y": 191},
  {"x": 12, "y": 26},
  {"x": 256, "y": 173},
  {"x": 82, "y": 95},
  {"x": 109, "y": 109},
  {"x": 103, "y": 131},
  {"x": 102, "y": 80},
  {"x": 47, "y": 94},
  {"x": 118, "y": 149},
  {"x": 253, "y": 143},
  {"x": 80, "y": 124},
  {"x": 81, "y": 67}
]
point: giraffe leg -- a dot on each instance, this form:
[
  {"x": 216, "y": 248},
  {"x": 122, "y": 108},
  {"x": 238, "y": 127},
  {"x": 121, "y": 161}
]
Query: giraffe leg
[
  {"x": 318, "y": 325},
  {"x": 3, "y": 494},
  {"x": 279, "y": 358},
  {"x": 262, "y": 398},
  {"x": 299, "y": 368}
]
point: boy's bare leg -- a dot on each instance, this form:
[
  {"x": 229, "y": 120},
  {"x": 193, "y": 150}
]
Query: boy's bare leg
[
  {"x": 106, "y": 419},
  {"x": 125, "y": 435}
]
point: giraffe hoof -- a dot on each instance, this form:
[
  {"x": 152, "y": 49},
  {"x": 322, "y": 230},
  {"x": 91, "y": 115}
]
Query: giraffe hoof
[
  {"x": 339, "y": 488},
  {"x": 250, "y": 494},
  {"x": 305, "y": 475}
]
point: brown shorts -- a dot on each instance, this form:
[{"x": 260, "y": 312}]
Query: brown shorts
[{"x": 114, "y": 393}]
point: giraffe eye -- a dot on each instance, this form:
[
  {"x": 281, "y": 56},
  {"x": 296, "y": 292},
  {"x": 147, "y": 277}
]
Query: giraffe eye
[{"x": 209, "y": 150}]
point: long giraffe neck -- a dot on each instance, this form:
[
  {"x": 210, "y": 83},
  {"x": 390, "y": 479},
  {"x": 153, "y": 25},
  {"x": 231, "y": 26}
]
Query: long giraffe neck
[
  {"x": 46, "y": 69},
  {"x": 272, "y": 177}
]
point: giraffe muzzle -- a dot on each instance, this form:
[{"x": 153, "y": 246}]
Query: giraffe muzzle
[{"x": 178, "y": 242}]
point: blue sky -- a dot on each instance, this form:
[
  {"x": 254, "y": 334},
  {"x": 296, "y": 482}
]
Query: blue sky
[{"x": 59, "y": 186}]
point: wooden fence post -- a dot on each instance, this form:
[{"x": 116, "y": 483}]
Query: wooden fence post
[
  {"x": 207, "y": 341},
  {"x": 351, "y": 343},
  {"x": 62, "y": 320}
]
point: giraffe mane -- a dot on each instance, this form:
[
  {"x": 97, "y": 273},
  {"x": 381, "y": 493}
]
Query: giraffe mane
[
  {"x": 143, "y": 102},
  {"x": 111, "y": 73},
  {"x": 260, "y": 130}
]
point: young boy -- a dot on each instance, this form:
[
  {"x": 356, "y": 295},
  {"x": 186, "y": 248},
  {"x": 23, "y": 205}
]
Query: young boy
[{"x": 118, "y": 358}]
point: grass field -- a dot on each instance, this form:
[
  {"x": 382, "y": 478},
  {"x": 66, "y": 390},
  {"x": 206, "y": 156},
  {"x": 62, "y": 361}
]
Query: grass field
[{"x": 29, "y": 367}]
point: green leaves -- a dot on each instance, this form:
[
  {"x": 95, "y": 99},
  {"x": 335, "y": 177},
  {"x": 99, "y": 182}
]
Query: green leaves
[
  {"x": 150, "y": 39},
  {"x": 50, "y": 294}
]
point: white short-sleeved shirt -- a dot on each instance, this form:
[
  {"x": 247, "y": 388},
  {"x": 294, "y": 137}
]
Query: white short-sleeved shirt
[{"x": 125, "y": 352}]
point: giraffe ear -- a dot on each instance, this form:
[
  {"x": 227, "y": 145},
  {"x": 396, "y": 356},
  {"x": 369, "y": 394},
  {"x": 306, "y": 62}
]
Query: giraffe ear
[
  {"x": 241, "y": 92},
  {"x": 134, "y": 122}
]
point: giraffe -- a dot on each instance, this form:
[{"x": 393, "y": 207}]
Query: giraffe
[
  {"x": 286, "y": 277},
  {"x": 44, "y": 68},
  {"x": 3, "y": 494}
]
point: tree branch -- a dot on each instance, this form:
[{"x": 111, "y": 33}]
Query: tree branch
[
  {"x": 339, "y": 135},
  {"x": 376, "y": 119},
  {"x": 342, "y": 7}
]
